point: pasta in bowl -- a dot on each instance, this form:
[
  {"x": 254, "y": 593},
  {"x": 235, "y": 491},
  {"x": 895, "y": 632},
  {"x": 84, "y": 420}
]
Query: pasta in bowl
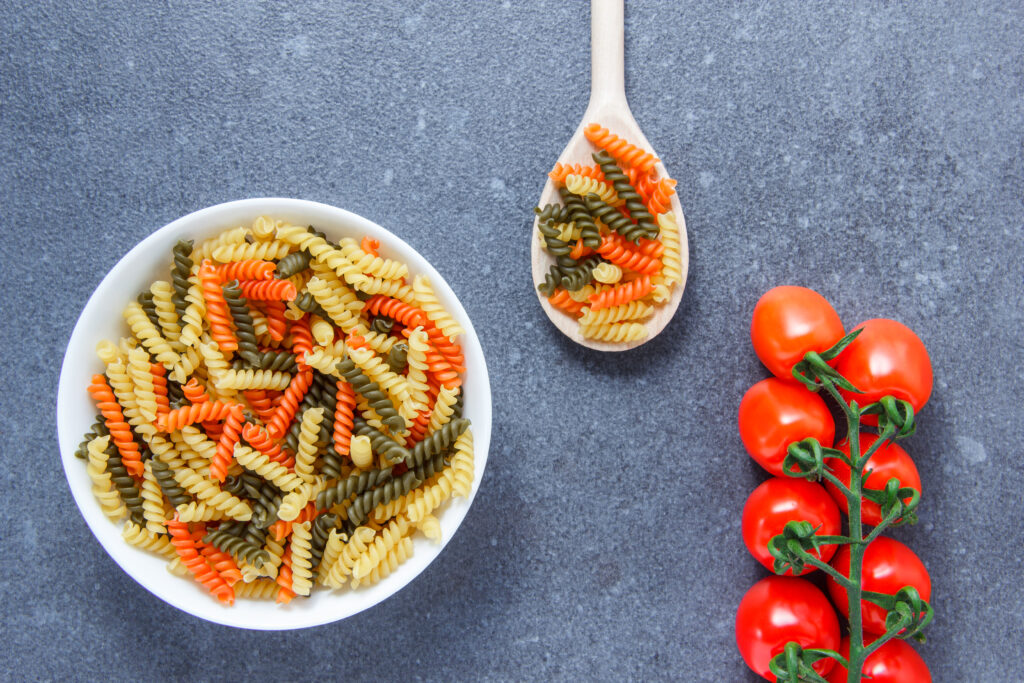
[{"x": 285, "y": 425}]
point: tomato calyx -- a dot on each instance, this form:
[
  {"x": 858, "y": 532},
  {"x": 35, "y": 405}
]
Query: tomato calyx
[
  {"x": 896, "y": 511},
  {"x": 814, "y": 368},
  {"x": 797, "y": 546},
  {"x": 795, "y": 663},
  {"x": 895, "y": 414},
  {"x": 806, "y": 459},
  {"x": 907, "y": 614}
]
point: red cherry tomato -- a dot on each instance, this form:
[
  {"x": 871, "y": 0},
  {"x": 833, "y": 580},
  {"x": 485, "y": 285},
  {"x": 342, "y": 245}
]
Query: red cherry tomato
[
  {"x": 888, "y": 566},
  {"x": 784, "y": 499},
  {"x": 774, "y": 414},
  {"x": 787, "y": 323},
  {"x": 779, "y": 609},
  {"x": 894, "y": 662},
  {"x": 888, "y": 462},
  {"x": 886, "y": 359}
]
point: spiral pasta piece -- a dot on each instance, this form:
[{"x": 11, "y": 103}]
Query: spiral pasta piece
[
  {"x": 144, "y": 329},
  {"x": 268, "y": 290},
  {"x": 138, "y": 536},
  {"x": 263, "y": 251},
  {"x": 370, "y": 391},
  {"x": 582, "y": 186},
  {"x": 306, "y": 454},
  {"x": 426, "y": 499},
  {"x": 622, "y": 294},
  {"x": 204, "y": 573},
  {"x": 343, "y": 412},
  {"x": 622, "y": 150},
  {"x": 672, "y": 259},
  {"x": 262, "y": 465},
  {"x": 396, "y": 289},
  {"x": 632, "y": 202},
  {"x": 260, "y": 589},
  {"x": 607, "y": 273},
  {"x": 618, "y": 250},
  {"x": 228, "y": 237},
  {"x": 198, "y": 412},
  {"x": 427, "y": 301},
  {"x": 463, "y": 465},
  {"x": 561, "y": 300},
  {"x": 197, "y": 511},
  {"x": 217, "y": 314},
  {"x": 634, "y": 310},
  {"x": 396, "y": 386},
  {"x": 102, "y": 488},
  {"x": 167, "y": 316},
  {"x": 251, "y": 269},
  {"x": 193, "y": 315},
  {"x": 120, "y": 432},
  {"x": 209, "y": 493},
  {"x": 382, "y": 544},
  {"x": 372, "y": 265},
  {"x": 349, "y": 555},
  {"x": 181, "y": 268},
  {"x": 614, "y": 332},
  {"x": 226, "y": 444},
  {"x": 430, "y": 526},
  {"x": 338, "y": 303},
  {"x": 152, "y": 500},
  {"x": 580, "y": 215},
  {"x": 397, "y": 555},
  {"x": 562, "y": 171},
  {"x": 253, "y": 379}
]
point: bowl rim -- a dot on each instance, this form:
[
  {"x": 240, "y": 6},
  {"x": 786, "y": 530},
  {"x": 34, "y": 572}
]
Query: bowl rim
[{"x": 180, "y": 592}]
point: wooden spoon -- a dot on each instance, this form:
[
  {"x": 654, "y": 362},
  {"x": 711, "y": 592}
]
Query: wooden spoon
[{"x": 609, "y": 108}]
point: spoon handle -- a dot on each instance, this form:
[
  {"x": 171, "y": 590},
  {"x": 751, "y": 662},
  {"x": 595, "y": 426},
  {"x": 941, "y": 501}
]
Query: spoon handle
[{"x": 607, "y": 54}]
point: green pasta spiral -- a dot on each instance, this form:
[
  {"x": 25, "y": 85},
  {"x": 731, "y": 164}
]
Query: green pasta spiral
[
  {"x": 644, "y": 221},
  {"x": 244, "y": 331},
  {"x": 145, "y": 300},
  {"x": 305, "y": 302},
  {"x": 377, "y": 399},
  {"x": 125, "y": 485},
  {"x": 430, "y": 467},
  {"x": 382, "y": 324},
  {"x": 589, "y": 233},
  {"x": 556, "y": 247},
  {"x": 398, "y": 358},
  {"x": 281, "y": 361},
  {"x": 168, "y": 484},
  {"x": 552, "y": 279},
  {"x": 380, "y": 443},
  {"x": 293, "y": 264},
  {"x": 353, "y": 485},
  {"x": 553, "y": 212},
  {"x": 436, "y": 442},
  {"x": 239, "y": 548},
  {"x": 576, "y": 278},
  {"x": 365, "y": 502},
  {"x": 181, "y": 254},
  {"x": 98, "y": 429},
  {"x": 320, "y": 529},
  {"x": 331, "y": 463},
  {"x": 325, "y": 389},
  {"x": 266, "y": 499}
]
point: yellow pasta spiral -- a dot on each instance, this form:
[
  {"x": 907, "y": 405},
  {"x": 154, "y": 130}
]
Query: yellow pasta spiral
[
  {"x": 228, "y": 237},
  {"x": 634, "y": 310},
  {"x": 336, "y": 301},
  {"x": 209, "y": 492},
  {"x": 322, "y": 252},
  {"x": 462, "y": 465},
  {"x": 429, "y": 304},
  {"x": 262, "y": 465},
  {"x": 302, "y": 562},
  {"x": 607, "y": 273},
  {"x": 396, "y": 289},
  {"x": 426, "y": 498},
  {"x": 110, "y": 500},
  {"x": 342, "y": 567},
  {"x": 444, "y": 408},
  {"x": 370, "y": 264},
  {"x": 199, "y": 512},
  {"x": 614, "y": 332},
  {"x": 143, "y": 328},
  {"x": 141, "y": 538},
  {"x": 582, "y": 185},
  {"x": 264, "y": 251},
  {"x": 671, "y": 258},
  {"x": 152, "y": 500},
  {"x": 253, "y": 379},
  {"x": 396, "y": 556}
]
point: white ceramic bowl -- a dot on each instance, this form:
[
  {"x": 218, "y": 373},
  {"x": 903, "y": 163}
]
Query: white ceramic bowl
[{"x": 102, "y": 319}]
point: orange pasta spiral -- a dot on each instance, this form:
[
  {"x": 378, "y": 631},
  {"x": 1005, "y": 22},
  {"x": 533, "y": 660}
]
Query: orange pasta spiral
[
  {"x": 579, "y": 250},
  {"x": 277, "y": 324},
  {"x": 440, "y": 369},
  {"x": 302, "y": 340},
  {"x": 258, "y": 438},
  {"x": 284, "y": 578},
  {"x": 623, "y": 151},
  {"x": 250, "y": 269},
  {"x": 260, "y": 401},
  {"x": 620, "y": 251},
  {"x": 197, "y": 412},
  {"x": 410, "y": 316},
  {"x": 226, "y": 444},
  {"x": 185, "y": 546},
  {"x": 343, "y": 417},
  {"x": 293, "y": 395},
  {"x": 159, "y": 373},
  {"x": 370, "y": 246},
  {"x": 221, "y": 562},
  {"x": 622, "y": 294},
  {"x": 217, "y": 313},
  {"x": 561, "y": 300},
  {"x": 268, "y": 290},
  {"x": 113, "y": 417},
  {"x": 194, "y": 392},
  {"x": 561, "y": 171}
]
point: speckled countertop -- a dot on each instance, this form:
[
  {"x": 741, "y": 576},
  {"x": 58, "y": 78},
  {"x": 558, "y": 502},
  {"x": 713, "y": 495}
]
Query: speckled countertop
[{"x": 872, "y": 151}]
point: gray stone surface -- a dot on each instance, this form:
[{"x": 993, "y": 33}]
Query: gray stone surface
[{"x": 872, "y": 151}]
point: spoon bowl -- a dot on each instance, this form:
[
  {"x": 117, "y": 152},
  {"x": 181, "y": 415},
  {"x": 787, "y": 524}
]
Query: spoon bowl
[{"x": 609, "y": 108}]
